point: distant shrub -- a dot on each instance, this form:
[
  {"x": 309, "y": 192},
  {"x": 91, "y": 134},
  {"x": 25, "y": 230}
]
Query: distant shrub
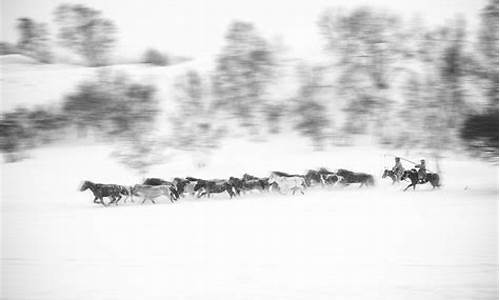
[
  {"x": 155, "y": 57},
  {"x": 24, "y": 129},
  {"x": 112, "y": 106},
  {"x": 274, "y": 115},
  {"x": 480, "y": 133},
  {"x": 8, "y": 48},
  {"x": 34, "y": 40},
  {"x": 312, "y": 121},
  {"x": 85, "y": 31},
  {"x": 46, "y": 123},
  {"x": 13, "y": 131}
]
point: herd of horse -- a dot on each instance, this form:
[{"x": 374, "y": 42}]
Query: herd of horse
[{"x": 284, "y": 183}]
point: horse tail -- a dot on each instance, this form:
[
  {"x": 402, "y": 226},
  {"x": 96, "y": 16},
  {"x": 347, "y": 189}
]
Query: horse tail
[
  {"x": 438, "y": 180},
  {"x": 371, "y": 180}
]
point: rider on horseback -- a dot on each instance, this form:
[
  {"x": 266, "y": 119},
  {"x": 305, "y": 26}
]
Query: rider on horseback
[
  {"x": 421, "y": 170},
  {"x": 398, "y": 168}
]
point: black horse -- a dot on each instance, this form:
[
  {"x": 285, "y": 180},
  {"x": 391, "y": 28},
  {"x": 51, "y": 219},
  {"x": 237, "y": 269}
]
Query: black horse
[
  {"x": 123, "y": 191},
  {"x": 264, "y": 181},
  {"x": 237, "y": 184},
  {"x": 102, "y": 190},
  {"x": 248, "y": 184},
  {"x": 391, "y": 174},
  {"x": 155, "y": 181},
  {"x": 283, "y": 174},
  {"x": 324, "y": 171},
  {"x": 432, "y": 178},
  {"x": 354, "y": 177},
  {"x": 313, "y": 176},
  {"x": 207, "y": 187}
]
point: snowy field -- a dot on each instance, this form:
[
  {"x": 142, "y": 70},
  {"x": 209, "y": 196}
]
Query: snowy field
[{"x": 377, "y": 243}]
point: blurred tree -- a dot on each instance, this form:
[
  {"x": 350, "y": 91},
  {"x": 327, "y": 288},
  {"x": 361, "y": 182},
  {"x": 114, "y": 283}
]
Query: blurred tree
[
  {"x": 310, "y": 114},
  {"x": 194, "y": 126},
  {"x": 365, "y": 43},
  {"x": 15, "y": 134},
  {"x": 85, "y": 31},
  {"x": 47, "y": 124},
  {"x": 488, "y": 47},
  {"x": 434, "y": 93},
  {"x": 34, "y": 39},
  {"x": 113, "y": 106},
  {"x": 480, "y": 129},
  {"x": 453, "y": 73},
  {"x": 244, "y": 69},
  {"x": 140, "y": 153},
  {"x": 8, "y": 48},
  {"x": 274, "y": 116}
]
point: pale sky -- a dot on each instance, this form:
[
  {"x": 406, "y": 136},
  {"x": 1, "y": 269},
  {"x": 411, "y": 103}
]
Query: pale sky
[{"x": 196, "y": 27}]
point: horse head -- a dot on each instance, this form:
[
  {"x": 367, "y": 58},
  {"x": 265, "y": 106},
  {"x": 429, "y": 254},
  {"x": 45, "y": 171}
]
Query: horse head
[
  {"x": 86, "y": 184},
  {"x": 272, "y": 179},
  {"x": 200, "y": 184}
]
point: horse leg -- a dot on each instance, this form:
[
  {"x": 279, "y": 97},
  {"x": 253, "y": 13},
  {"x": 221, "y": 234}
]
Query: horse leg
[
  {"x": 95, "y": 200},
  {"x": 408, "y": 186},
  {"x": 131, "y": 195}
]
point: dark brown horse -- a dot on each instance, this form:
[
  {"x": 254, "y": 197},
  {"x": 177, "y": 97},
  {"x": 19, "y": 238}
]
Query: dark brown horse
[
  {"x": 101, "y": 191},
  {"x": 207, "y": 187},
  {"x": 432, "y": 178},
  {"x": 313, "y": 176},
  {"x": 354, "y": 177},
  {"x": 391, "y": 174}
]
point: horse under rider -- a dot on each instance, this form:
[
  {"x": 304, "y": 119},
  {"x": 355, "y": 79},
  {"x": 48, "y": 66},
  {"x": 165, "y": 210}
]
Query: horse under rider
[
  {"x": 398, "y": 168},
  {"x": 421, "y": 169}
]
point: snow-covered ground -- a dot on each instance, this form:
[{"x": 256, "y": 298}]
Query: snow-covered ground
[{"x": 377, "y": 243}]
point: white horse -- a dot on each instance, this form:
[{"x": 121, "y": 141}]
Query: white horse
[
  {"x": 151, "y": 192},
  {"x": 286, "y": 183},
  {"x": 332, "y": 179}
]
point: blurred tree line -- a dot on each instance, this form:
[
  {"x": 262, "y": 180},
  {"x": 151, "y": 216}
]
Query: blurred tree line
[
  {"x": 111, "y": 107},
  {"x": 405, "y": 84},
  {"x": 81, "y": 29}
]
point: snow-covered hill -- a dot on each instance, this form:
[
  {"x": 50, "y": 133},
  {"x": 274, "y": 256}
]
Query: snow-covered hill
[{"x": 26, "y": 83}]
